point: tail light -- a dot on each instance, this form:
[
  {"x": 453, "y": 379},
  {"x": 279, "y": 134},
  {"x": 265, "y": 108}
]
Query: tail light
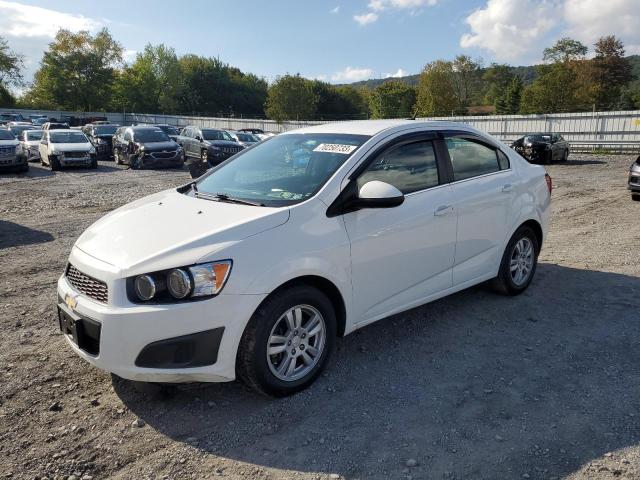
[{"x": 547, "y": 178}]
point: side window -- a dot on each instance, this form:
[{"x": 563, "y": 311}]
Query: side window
[
  {"x": 503, "y": 160},
  {"x": 409, "y": 168},
  {"x": 470, "y": 159},
  {"x": 187, "y": 132}
]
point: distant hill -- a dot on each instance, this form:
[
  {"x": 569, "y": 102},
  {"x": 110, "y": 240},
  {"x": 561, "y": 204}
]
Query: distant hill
[{"x": 526, "y": 73}]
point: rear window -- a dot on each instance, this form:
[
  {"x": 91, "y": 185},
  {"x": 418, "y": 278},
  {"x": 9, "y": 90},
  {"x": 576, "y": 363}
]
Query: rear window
[{"x": 105, "y": 130}]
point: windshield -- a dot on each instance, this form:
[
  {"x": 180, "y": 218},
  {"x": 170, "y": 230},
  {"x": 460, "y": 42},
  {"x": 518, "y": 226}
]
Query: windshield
[
  {"x": 18, "y": 129},
  {"x": 216, "y": 135},
  {"x": 68, "y": 137},
  {"x": 168, "y": 129},
  {"x": 150, "y": 135},
  {"x": 6, "y": 135},
  {"x": 34, "y": 135},
  {"x": 538, "y": 137},
  {"x": 105, "y": 130},
  {"x": 283, "y": 170},
  {"x": 246, "y": 137}
]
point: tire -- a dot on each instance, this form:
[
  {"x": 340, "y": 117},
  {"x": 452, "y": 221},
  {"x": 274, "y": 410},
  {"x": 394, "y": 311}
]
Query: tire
[
  {"x": 508, "y": 282},
  {"x": 25, "y": 168},
  {"x": 635, "y": 197},
  {"x": 565, "y": 157},
  {"x": 204, "y": 156},
  {"x": 258, "y": 371},
  {"x": 94, "y": 164},
  {"x": 54, "y": 163}
]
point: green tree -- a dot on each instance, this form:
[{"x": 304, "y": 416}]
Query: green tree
[
  {"x": 564, "y": 50},
  {"x": 151, "y": 83},
  {"x": 497, "y": 79},
  {"x": 392, "y": 99},
  {"x": 513, "y": 96},
  {"x": 291, "y": 97},
  {"x": 436, "y": 90},
  {"x": 11, "y": 65},
  {"x": 555, "y": 90},
  {"x": 77, "y": 71},
  {"x": 611, "y": 70},
  {"x": 466, "y": 78}
]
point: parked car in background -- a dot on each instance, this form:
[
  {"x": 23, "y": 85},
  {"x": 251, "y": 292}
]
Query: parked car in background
[
  {"x": 253, "y": 131},
  {"x": 253, "y": 270},
  {"x": 66, "y": 148},
  {"x": 39, "y": 122},
  {"x": 143, "y": 147},
  {"x": 206, "y": 147},
  {"x": 18, "y": 127},
  {"x": 36, "y": 116},
  {"x": 55, "y": 126},
  {"x": 171, "y": 131},
  {"x": 243, "y": 138},
  {"x": 634, "y": 180},
  {"x": 101, "y": 136},
  {"x": 10, "y": 117},
  {"x": 9, "y": 158},
  {"x": 30, "y": 144},
  {"x": 542, "y": 147}
]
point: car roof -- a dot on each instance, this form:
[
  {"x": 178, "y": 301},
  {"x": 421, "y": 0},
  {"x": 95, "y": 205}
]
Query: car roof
[
  {"x": 373, "y": 127},
  {"x": 64, "y": 130},
  {"x": 145, "y": 127}
]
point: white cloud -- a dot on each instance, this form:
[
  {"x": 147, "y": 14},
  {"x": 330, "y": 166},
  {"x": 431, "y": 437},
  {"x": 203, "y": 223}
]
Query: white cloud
[
  {"x": 589, "y": 20},
  {"x": 350, "y": 74},
  {"x": 380, "y": 5},
  {"x": 397, "y": 74},
  {"x": 510, "y": 29},
  {"x": 129, "y": 55},
  {"x": 518, "y": 30},
  {"x": 335, "y": 10},
  {"x": 29, "y": 29},
  {"x": 366, "y": 18}
]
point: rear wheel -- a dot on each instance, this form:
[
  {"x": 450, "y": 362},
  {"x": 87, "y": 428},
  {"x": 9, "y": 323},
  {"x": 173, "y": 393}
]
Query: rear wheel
[
  {"x": 54, "y": 163},
  {"x": 635, "y": 197},
  {"x": 518, "y": 264},
  {"x": 565, "y": 157},
  {"x": 287, "y": 342}
]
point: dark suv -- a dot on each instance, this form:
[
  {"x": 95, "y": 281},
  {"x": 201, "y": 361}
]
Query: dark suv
[
  {"x": 143, "y": 147},
  {"x": 206, "y": 147},
  {"x": 101, "y": 137},
  {"x": 542, "y": 147}
]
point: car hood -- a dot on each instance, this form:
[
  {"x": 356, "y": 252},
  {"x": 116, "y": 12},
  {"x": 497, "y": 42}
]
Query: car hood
[
  {"x": 159, "y": 146},
  {"x": 170, "y": 229},
  {"x": 71, "y": 147},
  {"x": 9, "y": 143}
]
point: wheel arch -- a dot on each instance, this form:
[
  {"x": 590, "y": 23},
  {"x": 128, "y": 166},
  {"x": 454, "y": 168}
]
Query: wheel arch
[
  {"x": 325, "y": 286},
  {"x": 537, "y": 229}
]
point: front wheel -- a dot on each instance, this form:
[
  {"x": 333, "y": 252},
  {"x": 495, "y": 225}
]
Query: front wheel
[
  {"x": 635, "y": 197},
  {"x": 204, "y": 156},
  {"x": 287, "y": 342},
  {"x": 518, "y": 263}
]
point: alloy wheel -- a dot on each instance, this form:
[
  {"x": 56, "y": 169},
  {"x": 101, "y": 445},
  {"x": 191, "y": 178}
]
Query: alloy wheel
[
  {"x": 296, "y": 343},
  {"x": 522, "y": 258}
]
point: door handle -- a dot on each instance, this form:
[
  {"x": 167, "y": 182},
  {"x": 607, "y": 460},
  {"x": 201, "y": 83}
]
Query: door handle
[
  {"x": 508, "y": 188},
  {"x": 443, "y": 210}
]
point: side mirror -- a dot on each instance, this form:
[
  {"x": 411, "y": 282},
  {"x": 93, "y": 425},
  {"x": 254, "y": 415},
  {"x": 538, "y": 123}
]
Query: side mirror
[{"x": 376, "y": 194}]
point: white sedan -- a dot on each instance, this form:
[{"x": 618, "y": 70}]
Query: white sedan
[{"x": 253, "y": 270}]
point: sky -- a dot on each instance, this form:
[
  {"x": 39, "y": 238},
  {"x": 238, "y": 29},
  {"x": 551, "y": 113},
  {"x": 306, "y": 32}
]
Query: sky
[{"x": 332, "y": 40}]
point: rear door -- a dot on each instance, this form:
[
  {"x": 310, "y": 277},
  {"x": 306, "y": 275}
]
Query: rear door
[
  {"x": 484, "y": 188},
  {"x": 402, "y": 255}
]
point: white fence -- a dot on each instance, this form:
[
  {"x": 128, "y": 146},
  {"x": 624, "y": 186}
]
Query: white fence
[{"x": 609, "y": 130}]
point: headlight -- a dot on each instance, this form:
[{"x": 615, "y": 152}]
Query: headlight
[
  {"x": 145, "y": 287},
  {"x": 184, "y": 283}
]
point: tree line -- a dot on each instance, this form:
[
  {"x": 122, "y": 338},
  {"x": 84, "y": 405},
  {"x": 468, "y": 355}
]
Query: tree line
[{"x": 86, "y": 72}]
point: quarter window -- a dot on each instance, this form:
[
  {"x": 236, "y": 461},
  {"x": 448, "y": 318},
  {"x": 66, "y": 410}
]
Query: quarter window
[
  {"x": 503, "y": 160},
  {"x": 471, "y": 159},
  {"x": 409, "y": 168}
]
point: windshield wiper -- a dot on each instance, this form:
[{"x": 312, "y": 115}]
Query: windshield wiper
[{"x": 223, "y": 197}]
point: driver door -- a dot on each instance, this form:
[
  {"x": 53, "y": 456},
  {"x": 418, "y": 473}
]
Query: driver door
[{"x": 400, "y": 256}]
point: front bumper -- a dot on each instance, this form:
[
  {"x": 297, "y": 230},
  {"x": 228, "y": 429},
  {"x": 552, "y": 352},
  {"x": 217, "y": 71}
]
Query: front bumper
[
  {"x": 161, "y": 159},
  {"x": 127, "y": 329},
  {"x": 12, "y": 161},
  {"x": 67, "y": 161},
  {"x": 634, "y": 182}
]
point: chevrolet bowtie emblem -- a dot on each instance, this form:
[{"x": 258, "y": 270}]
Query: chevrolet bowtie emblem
[{"x": 71, "y": 301}]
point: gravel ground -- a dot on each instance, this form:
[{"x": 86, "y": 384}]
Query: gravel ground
[{"x": 474, "y": 386}]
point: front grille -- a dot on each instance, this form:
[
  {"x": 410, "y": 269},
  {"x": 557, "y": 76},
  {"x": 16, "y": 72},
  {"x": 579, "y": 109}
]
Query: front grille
[
  {"x": 231, "y": 150},
  {"x": 75, "y": 154},
  {"x": 635, "y": 180},
  {"x": 7, "y": 150},
  {"x": 163, "y": 154},
  {"x": 87, "y": 285}
]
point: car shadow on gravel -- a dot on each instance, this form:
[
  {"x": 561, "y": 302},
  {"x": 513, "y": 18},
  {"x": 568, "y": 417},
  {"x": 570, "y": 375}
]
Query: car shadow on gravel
[
  {"x": 582, "y": 162},
  {"x": 14, "y": 234},
  {"x": 475, "y": 385}
]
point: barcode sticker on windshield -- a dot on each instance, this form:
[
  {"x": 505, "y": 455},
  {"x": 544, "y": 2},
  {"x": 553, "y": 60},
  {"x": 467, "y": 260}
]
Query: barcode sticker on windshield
[{"x": 335, "y": 148}]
